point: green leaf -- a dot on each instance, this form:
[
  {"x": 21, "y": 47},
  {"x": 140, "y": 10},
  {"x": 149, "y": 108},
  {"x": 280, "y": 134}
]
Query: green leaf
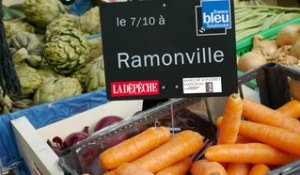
[{"x": 12, "y": 12}]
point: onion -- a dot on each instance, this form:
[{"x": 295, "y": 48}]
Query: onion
[
  {"x": 266, "y": 47},
  {"x": 290, "y": 60},
  {"x": 295, "y": 89},
  {"x": 76, "y": 137},
  {"x": 251, "y": 60},
  {"x": 237, "y": 58},
  {"x": 295, "y": 50},
  {"x": 88, "y": 154},
  {"x": 106, "y": 121},
  {"x": 288, "y": 35},
  {"x": 57, "y": 149},
  {"x": 118, "y": 138}
]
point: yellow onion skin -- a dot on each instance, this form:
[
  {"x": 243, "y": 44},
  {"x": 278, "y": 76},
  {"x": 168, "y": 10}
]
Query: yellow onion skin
[
  {"x": 288, "y": 35},
  {"x": 251, "y": 60},
  {"x": 295, "y": 50},
  {"x": 295, "y": 89},
  {"x": 266, "y": 47}
]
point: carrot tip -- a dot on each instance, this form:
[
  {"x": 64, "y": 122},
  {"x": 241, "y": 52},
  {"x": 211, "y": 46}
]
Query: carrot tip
[{"x": 235, "y": 95}]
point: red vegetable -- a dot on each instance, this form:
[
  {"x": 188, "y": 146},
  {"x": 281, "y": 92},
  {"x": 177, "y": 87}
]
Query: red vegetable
[
  {"x": 88, "y": 154},
  {"x": 76, "y": 137},
  {"x": 106, "y": 121},
  {"x": 56, "y": 149},
  {"x": 118, "y": 138}
]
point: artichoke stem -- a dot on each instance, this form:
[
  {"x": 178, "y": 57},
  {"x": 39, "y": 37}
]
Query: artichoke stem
[{"x": 95, "y": 42}]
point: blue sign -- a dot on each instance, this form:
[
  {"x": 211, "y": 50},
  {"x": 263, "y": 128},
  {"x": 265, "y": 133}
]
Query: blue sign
[{"x": 216, "y": 14}]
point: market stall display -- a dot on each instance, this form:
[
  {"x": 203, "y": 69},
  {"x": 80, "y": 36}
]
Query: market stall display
[
  {"x": 282, "y": 48},
  {"x": 265, "y": 41},
  {"x": 57, "y": 50},
  {"x": 277, "y": 146},
  {"x": 59, "y": 62},
  {"x": 48, "y": 96},
  {"x": 30, "y": 47}
]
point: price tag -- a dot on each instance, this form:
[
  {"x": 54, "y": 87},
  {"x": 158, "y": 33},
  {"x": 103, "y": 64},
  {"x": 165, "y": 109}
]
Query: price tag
[{"x": 158, "y": 49}]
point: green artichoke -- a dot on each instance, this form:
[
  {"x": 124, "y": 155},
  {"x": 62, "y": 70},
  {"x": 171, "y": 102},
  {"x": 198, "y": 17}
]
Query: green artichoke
[
  {"x": 22, "y": 103},
  {"x": 5, "y": 103},
  {"x": 95, "y": 44},
  {"x": 92, "y": 75},
  {"x": 47, "y": 73},
  {"x": 20, "y": 55},
  {"x": 42, "y": 12},
  {"x": 57, "y": 88},
  {"x": 14, "y": 26},
  {"x": 67, "y": 51},
  {"x": 41, "y": 37},
  {"x": 30, "y": 80},
  {"x": 89, "y": 22},
  {"x": 26, "y": 40},
  {"x": 61, "y": 23},
  {"x": 34, "y": 60},
  {"x": 82, "y": 73},
  {"x": 96, "y": 78}
]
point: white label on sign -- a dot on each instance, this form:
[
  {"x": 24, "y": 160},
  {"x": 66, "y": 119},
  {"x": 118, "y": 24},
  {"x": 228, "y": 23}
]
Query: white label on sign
[{"x": 202, "y": 85}]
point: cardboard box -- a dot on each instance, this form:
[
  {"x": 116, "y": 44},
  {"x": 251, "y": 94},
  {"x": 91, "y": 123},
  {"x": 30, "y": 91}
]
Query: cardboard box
[{"x": 32, "y": 145}]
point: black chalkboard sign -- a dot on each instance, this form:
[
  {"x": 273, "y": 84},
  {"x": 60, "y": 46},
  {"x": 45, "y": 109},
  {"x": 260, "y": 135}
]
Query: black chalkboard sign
[{"x": 158, "y": 49}]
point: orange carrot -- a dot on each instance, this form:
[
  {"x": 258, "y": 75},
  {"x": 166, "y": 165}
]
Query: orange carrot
[
  {"x": 181, "y": 145},
  {"x": 109, "y": 173},
  {"x": 231, "y": 120},
  {"x": 291, "y": 109},
  {"x": 219, "y": 121},
  {"x": 259, "y": 113},
  {"x": 179, "y": 168},
  {"x": 253, "y": 153},
  {"x": 240, "y": 138},
  {"x": 259, "y": 169},
  {"x": 243, "y": 139},
  {"x": 134, "y": 147},
  {"x": 204, "y": 167},
  {"x": 131, "y": 169},
  {"x": 277, "y": 137},
  {"x": 238, "y": 169}
]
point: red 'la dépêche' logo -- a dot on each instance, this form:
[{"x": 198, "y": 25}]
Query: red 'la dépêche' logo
[{"x": 134, "y": 88}]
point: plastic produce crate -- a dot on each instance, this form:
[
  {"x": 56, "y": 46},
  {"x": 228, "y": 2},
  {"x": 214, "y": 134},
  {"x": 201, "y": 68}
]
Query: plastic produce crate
[
  {"x": 273, "y": 87},
  {"x": 74, "y": 161},
  {"x": 44, "y": 114},
  {"x": 189, "y": 113},
  {"x": 246, "y": 44}
]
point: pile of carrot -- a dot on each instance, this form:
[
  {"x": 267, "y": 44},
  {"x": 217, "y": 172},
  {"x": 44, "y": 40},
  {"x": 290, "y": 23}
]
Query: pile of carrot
[
  {"x": 152, "y": 151},
  {"x": 254, "y": 138}
]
